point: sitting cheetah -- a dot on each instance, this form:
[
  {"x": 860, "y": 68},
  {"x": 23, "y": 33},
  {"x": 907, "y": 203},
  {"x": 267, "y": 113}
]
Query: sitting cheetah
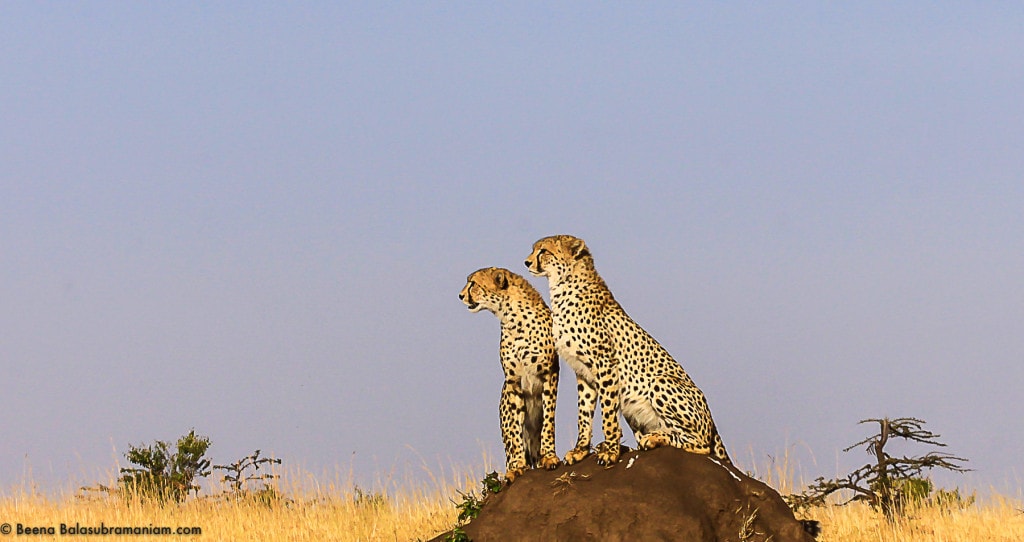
[
  {"x": 527, "y": 406},
  {"x": 615, "y": 358}
]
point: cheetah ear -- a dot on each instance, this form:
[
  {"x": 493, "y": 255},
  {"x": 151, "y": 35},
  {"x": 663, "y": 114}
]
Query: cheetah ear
[
  {"x": 579, "y": 249},
  {"x": 501, "y": 280}
]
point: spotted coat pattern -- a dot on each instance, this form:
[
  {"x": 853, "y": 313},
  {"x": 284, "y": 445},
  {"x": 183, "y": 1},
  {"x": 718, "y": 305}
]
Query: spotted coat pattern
[
  {"x": 527, "y": 351},
  {"x": 616, "y": 360}
]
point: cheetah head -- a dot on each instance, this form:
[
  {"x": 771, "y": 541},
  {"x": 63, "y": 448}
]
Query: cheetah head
[
  {"x": 485, "y": 289},
  {"x": 556, "y": 255}
]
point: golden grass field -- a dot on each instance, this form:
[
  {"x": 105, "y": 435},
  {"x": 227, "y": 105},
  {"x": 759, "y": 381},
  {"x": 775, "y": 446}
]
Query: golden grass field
[
  {"x": 315, "y": 509},
  {"x": 992, "y": 517}
]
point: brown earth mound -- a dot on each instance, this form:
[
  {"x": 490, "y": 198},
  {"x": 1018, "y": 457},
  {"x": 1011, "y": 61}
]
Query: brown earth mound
[{"x": 662, "y": 494}]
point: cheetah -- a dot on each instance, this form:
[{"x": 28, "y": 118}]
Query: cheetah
[
  {"x": 614, "y": 358},
  {"x": 527, "y": 351}
]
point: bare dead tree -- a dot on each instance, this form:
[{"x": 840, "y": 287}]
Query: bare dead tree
[{"x": 881, "y": 484}]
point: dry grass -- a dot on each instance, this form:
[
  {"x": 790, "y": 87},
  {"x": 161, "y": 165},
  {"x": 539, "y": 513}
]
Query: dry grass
[
  {"x": 416, "y": 510},
  {"x": 310, "y": 509},
  {"x": 992, "y": 518},
  {"x": 336, "y": 518},
  {"x": 995, "y": 520}
]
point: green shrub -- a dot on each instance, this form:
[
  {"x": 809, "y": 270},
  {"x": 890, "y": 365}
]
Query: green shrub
[
  {"x": 469, "y": 508},
  {"x": 164, "y": 473}
]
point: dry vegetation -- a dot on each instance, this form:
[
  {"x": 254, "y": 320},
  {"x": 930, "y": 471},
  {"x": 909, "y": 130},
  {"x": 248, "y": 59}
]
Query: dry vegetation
[
  {"x": 311, "y": 508},
  {"x": 315, "y": 509},
  {"x": 992, "y": 517}
]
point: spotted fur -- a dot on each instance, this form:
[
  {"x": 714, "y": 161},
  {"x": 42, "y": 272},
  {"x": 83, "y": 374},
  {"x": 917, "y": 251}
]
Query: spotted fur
[
  {"x": 616, "y": 360},
  {"x": 527, "y": 350}
]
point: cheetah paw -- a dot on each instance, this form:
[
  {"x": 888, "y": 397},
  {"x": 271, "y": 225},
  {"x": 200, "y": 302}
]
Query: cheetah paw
[
  {"x": 550, "y": 461},
  {"x": 653, "y": 440},
  {"x": 577, "y": 454},
  {"x": 513, "y": 473},
  {"x": 608, "y": 453}
]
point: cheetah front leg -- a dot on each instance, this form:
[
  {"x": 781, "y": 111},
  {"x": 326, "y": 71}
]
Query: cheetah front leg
[
  {"x": 549, "y": 457},
  {"x": 512, "y": 411},
  {"x": 608, "y": 382},
  {"x": 587, "y": 402}
]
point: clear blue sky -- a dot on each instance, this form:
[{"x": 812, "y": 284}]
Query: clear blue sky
[{"x": 254, "y": 219}]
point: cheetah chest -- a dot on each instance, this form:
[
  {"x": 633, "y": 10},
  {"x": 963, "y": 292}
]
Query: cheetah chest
[{"x": 567, "y": 343}]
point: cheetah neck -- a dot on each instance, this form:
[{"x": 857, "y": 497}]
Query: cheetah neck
[
  {"x": 570, "y": 286},
  {"x": 509, "y": 317},
  {"x": 504, "y": 314},
  {"x": 555, "y": 282},
  {"x": 560, "y": 276}
]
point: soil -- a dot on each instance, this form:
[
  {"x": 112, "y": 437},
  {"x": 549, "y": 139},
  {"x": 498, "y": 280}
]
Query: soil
[{"x": 661, "y": 494}]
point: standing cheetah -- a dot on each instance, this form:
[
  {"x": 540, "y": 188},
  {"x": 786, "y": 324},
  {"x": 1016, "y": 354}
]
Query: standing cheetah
[
  {"x": 615, "y": 358},
  {"x": 527, "y": 406}
]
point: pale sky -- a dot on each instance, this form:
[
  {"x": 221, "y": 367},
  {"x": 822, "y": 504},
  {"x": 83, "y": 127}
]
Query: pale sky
[{"x": 254, "y": 219}]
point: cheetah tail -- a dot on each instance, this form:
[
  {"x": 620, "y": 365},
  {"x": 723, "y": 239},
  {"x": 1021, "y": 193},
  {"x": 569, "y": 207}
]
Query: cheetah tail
[{"x": 718, "y": 447}]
